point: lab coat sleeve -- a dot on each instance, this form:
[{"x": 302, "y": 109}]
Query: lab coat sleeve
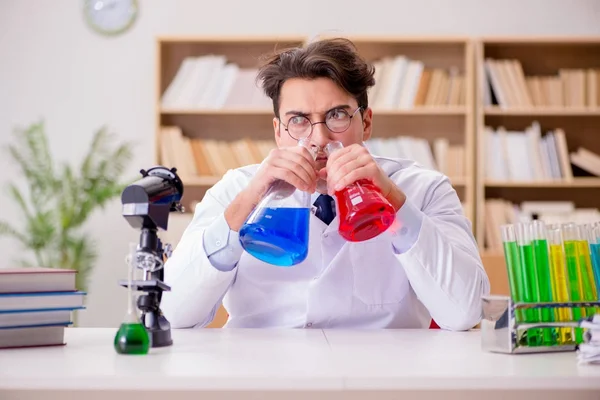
[
  {"x": 441, "y": 258},
  {"x": 222, "y": 245},
  {"x": 198, "y": 286}
]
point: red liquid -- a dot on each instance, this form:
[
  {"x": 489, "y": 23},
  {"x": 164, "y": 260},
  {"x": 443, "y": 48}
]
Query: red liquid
[{"x": 364, "y": 212}]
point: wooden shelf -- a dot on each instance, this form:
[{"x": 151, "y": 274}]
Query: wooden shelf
[
  {"x": 543, "y": 111},
  {"x": 215, "y": 112},
  {"x": 201, "y": 181},
  {"x": 428, "y": 111},
  {"x": 583, "y": 182}
]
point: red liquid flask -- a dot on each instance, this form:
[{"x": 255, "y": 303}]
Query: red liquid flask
[{"x": 364, "y": 212}]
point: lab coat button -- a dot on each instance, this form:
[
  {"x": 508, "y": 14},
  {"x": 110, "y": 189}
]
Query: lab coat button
[
  {"x": 218, "y": 242},
  {"x": 309, "y": 325}
]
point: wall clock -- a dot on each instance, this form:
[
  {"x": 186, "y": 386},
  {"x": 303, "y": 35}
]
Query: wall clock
[{"x": 110, "y": 17}]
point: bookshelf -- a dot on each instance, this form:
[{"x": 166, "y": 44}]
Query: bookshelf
[
  {"x": 227, "y": 122},
  {"x": 538, "y": 104},
  {"x": 194, "y": 107}
]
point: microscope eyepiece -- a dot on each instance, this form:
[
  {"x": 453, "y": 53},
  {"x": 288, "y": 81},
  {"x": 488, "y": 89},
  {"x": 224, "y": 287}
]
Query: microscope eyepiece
[{"x": 148, "y": 201}]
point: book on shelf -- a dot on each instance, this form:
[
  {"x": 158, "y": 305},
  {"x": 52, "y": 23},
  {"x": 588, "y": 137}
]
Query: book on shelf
[
  {"x": 210, "y": 81},
  {"x": 36, "y": 305},
  {"x": 404, "y": 83},
  {"x": 209, "y": 157},
  {"x": 506, "y": 85},
  {"x": 442, "y": 156},
  {"x": 499, "y": 212},
  {"x": 531, "y": 156},
  {"x": 212, "y": 157}
]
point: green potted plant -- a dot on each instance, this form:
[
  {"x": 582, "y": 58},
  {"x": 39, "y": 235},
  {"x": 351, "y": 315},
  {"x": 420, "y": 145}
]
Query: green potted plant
[{"x": 57, "y": 199}]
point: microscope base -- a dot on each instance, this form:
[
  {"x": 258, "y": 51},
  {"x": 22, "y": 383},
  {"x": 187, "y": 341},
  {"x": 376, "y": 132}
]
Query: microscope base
[
  {"x": 161, "y": 338},
  {"x": 159, "y": 329}
]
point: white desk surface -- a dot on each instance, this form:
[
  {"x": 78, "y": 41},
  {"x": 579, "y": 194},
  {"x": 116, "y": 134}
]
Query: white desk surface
[{"x": 338, "y": 364}]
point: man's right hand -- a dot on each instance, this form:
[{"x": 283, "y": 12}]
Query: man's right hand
[{"x": 294, "y": 165}]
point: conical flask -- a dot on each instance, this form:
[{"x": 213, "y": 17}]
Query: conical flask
[
  {"x": 363, "y": 210},
  {"x": 276, "y": 232},
  {"x": 132, "y": 336}
]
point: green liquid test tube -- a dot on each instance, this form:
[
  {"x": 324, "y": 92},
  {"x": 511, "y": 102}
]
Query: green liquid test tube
[
  {"x": 513, "y": 262},
  {"x": 570, "y": 234},
  {"x": 544, "y": 283},
  {"x": 515, "y": 280},
  {"x": 560, "y": 284},
  {"x": 531, "y": 293}
]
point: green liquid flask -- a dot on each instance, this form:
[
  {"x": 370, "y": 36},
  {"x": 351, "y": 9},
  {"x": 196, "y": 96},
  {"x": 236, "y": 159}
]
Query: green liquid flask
[
  {"x": 132, "y": 336},
  {"x": 560, "y": 284},
  {"x": 542, "y": 265},
  {"x": 570, "y": 233}
]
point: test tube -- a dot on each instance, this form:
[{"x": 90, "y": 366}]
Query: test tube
[
  {"x": 542, "y": 266},
  {"x": 531, "y": 293},
  {"x": 513, "y": 262},
  {"x": 560, "y": 284},
  {"x": 570, "y": 233},
  {"x": 590, "y": 292},
  {"x": 594, "y": 239}
]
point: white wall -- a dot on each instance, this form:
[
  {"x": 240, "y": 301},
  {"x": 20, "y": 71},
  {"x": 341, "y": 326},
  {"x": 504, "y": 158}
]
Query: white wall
[{"x": 53, "y": 67}]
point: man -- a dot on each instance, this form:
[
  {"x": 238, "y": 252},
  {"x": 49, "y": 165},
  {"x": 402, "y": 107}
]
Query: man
[{"x": 428, "y": 266}]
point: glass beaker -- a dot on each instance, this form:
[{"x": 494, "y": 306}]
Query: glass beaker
[
  {"x": 364, "y": 212},
  {"x": 276, "y": 231},
  {"x": 132, "y": 336}
]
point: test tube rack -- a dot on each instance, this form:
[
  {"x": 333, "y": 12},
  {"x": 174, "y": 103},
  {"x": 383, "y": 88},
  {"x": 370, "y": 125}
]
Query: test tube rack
[{"x": 500, "y": 329}]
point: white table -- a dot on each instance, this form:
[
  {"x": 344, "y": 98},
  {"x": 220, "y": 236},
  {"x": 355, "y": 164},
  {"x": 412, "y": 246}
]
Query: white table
[{"x": 298, "y": 364}]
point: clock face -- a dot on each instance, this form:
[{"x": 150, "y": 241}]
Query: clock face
[{"x": 110, "y": 17}]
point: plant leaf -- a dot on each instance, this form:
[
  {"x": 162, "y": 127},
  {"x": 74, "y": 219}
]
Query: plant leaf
[
  {"x": 7, "y": 230},
  {"x": 17, "y": 196}
]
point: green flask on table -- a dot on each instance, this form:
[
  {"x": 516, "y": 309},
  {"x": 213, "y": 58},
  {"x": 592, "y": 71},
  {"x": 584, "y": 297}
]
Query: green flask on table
[{"x": 132, "y": 336}]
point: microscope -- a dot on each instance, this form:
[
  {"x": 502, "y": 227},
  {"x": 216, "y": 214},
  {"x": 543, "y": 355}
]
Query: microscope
[{"x": 146, "y": 206}]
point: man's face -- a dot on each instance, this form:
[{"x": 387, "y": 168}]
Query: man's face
[{"x": 304, "y": 101}]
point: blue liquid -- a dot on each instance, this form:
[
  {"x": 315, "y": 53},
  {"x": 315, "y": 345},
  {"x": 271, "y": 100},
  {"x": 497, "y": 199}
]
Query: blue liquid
[
  {"x": 277, "y": 236},
  {"x": 595, "y": 252}
]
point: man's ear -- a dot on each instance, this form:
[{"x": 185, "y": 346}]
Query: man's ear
[
  {"x": 367, "y": 122},
  {"x": 277, "y": 130}
]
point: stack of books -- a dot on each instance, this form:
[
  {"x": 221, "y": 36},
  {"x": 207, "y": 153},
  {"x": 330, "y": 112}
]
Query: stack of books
[{"x": 36, "y": 304}]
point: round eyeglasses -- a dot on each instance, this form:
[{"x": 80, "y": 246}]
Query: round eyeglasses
[{"x": 337, "y": 120}]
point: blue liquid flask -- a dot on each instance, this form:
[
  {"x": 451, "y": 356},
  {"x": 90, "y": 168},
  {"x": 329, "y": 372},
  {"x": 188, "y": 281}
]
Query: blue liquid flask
[{"x": 276, "y": 232}]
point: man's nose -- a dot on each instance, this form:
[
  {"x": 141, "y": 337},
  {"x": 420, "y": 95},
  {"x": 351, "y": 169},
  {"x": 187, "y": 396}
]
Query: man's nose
[{"x": 320, "y": 135}]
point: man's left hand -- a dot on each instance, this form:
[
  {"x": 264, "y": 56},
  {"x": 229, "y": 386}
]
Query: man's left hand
[{"x": 353, "y": 163}]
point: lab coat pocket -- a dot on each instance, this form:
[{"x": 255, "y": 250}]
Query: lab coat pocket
[{"x": 379, "y": 278}]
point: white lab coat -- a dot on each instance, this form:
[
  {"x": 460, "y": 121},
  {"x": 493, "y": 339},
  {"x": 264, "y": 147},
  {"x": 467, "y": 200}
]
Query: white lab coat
[{"x": 427, "y": 265}]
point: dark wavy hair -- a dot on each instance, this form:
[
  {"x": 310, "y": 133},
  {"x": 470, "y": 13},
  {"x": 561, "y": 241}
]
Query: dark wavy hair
[{"x": 336, "y": 59}]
